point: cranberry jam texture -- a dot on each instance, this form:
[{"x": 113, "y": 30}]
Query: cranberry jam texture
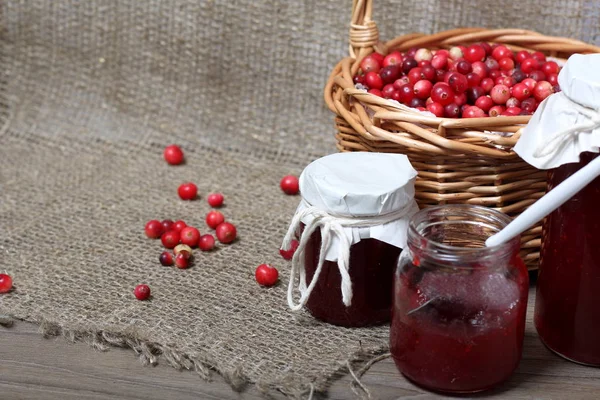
[
  {"x": 567, "y": 309},
  {"x": 459, "y": 310}
]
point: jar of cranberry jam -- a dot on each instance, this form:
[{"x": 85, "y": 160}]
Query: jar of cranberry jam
[
  {"x": 567, "y": 308},
  {"x": 563, "y": 137},
  {"x": 352, "y": 222},
  {"x": 458, "y": 319}
]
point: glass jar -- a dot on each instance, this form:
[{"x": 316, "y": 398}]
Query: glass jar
[
  {"x": 372, "y": 264},
  {"x": 567, "y": 307},
  {"x": 458, "y": 319}
]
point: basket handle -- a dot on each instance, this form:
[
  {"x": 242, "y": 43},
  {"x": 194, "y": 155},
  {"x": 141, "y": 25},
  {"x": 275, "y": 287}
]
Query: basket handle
[{"x": 364, "y": 35}]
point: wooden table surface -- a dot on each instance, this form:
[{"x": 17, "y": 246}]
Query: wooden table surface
[{"x": 32, "y": 367}]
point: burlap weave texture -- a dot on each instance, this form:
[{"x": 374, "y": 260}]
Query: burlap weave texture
[{"x": 91, "y": 92}]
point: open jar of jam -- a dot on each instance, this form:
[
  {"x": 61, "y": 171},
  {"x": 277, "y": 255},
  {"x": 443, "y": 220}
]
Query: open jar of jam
[
  {"x": 352, "y": 223},
  {"x": 458, "y": 319},
  {"x": 567, "y": 308}
]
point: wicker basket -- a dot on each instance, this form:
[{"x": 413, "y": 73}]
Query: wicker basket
[{"x": 458, "y": 160}]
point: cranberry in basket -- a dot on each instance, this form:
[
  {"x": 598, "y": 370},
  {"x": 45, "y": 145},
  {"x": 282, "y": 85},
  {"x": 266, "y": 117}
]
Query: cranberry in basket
[
  {"x": 459, "y": 307},
  {"x": 352, "y": 221}
]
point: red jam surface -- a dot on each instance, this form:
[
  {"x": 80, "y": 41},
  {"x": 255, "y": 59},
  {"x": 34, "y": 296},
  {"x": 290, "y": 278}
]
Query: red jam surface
[
  {"x": 567, "y": 308},
  {"x": 372, "y": 265},
  {"x": 459, "y": 332}
]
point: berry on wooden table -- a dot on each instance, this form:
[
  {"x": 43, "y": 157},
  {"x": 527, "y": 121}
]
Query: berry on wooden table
[
  {"x": 153, "y": 229},
  {"x": 214, "y": 219},
  {"x": 187, "y": 191},
  {"x": 266, "y": 275},
  {"x": 173, "y": 155},
  {"x": 215, "y": 199},
  {"x": 142, "y": 292},
  {"x": 5, "y": 283},
  {"x": 290, "y": 184},
  {"x": 226, "y": 232}
]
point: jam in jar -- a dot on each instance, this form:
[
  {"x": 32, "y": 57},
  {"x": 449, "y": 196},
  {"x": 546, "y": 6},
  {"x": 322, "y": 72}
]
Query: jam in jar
[
  {"x": 458, "y": 318},
  {"x": 567, "y": 307}
]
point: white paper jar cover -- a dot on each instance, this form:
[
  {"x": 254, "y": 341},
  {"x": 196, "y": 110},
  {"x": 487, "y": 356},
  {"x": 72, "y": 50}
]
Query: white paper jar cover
[
  {"x": 361, "y": 186},
  {"x": 566, "y": 123}
]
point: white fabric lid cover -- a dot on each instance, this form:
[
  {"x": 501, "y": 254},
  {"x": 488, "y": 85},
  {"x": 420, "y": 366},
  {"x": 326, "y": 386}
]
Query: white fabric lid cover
[
  {"x": 566, "y": 123},
  {"x": 362, "y": 185}
]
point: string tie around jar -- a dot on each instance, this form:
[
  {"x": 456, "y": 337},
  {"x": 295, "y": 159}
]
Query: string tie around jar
[
  {"x": 560, "y": 138},
  {"x": 330, "y": 225}
]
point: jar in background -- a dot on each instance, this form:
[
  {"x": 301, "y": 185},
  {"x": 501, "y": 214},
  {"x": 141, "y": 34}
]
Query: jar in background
[
  {"x": 567, "y": 307},
  {"x": 458, "y": 319}
]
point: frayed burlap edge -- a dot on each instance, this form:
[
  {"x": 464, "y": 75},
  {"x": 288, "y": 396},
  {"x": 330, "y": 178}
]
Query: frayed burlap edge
[{"x": 150, "y": 353}]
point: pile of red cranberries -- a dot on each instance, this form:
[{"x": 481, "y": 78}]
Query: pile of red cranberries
[{"x": 479, "y": 80}]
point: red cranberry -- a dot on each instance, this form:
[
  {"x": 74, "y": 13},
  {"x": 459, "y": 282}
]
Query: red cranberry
[
  {"x": 530, "y": 83},
  {"x": 187, "y": 191},
  {"x": 266, "y": 275},
  {"x": 500, "y": 93},
  {"x": 412, "y": 51},
  {"x": 460, "y": 99},
  {"x": 190, "y": 236},
  {"x": 173, "y": 155},
  {"x": 290, "y": 184},
  {"x": 529, "y": 105},
  {"x": 550, "y": 68},
  {"x": 441, "y": 52},
  {"x": 406, "y": 93},
  {"x": 452, "y": 110},
  {"x": 522, "y": 56},
  {"x": 486, "y": 46},
  {"x": 458, "y": 82},
  {"x": 394, "y": 58},
  {"x": 422, "y": 89},
  {"x": 513, "y": 103},
  {"x": 179, "y": 225},
  {"x": 473, "y": 112},
  {"x": 408, "y": 64},
  {"x": 519, "y": 75},
  {"x": 473, "y": 79},
  {"x": 542, "y": 90},
  {"x": 153, "y": 229},
  {"x": 474, "y": 93},
  {"x": 359, "y": 79},
  {"x": 6, "y": 283},
  {"x": 508, "y": 81},
  {"x": 512, "y": 111},
  {"x": 506, "y": 64},
  {"x": 538, "y": 76},
  {"x": 206, "y": 242},
  {"x": 480, "y": 69},
  {"x": 375, "y": 92},
  {"x": 495, "y": 74},
  {"x": 501, "y": 52},
  {"x": 485, "y": 103},
  {"x": 439, "y": 61},
  {"x": 474, "y": 53},
  {"x": 373, "y": 80},
  {"x": 142, "y": 292},
  {"x": 403, "y": 80},
  {"x": 529, "y": 65},
  {"x": 440, "y": 74},
  {"x": 388, "y": 91},
  {"x": 487, "y": 84},
  {"x": 436, "y": 109},
  {"x": 428, "y": 72},
  {"x": 492, "y": 64},
  {"x": 396, "y": 96},
  {"x": 214, "y": 219},
  {"x": 538, "y": 55},
  {"x": 553, "y": 79},
  {"x": 182, "y": 260},
  {"x": 226, "y": 232},
  {"x": 415, "y": 75},
  {"x": 442, "y": 93},
  {"x": 464, "y": 67},
  {"x": 288, "y": 254},
  {"x": 167, "y": 224},
  {"x": 424, "y": 63},
  {"x": 370, "y": 63},
  {"x": 388, "y": 75},
  {"x": 215, "y": 199},
  {"x": 166, "y": 258},
  {"x": 170, "y": 239},
  {"x": 496, "y": 111},
  {"x": 521, "y": 91}
]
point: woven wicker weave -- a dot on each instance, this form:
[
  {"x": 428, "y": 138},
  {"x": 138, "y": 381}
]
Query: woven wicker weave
[{"x": 467, "y": 161}]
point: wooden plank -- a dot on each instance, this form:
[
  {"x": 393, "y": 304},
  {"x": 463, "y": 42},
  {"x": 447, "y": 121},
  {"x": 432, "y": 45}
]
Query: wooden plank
[{"x": 32, "y": 367}]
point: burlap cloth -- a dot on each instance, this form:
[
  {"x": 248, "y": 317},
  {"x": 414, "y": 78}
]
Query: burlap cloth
[{"x": 92, "y": 91}]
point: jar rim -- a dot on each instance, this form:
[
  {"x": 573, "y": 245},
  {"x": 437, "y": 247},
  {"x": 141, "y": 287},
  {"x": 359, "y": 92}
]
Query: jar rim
[{"x": 492, "y": 220}]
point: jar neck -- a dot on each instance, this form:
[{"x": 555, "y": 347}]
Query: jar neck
[{"x": 454, "y": 236}]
